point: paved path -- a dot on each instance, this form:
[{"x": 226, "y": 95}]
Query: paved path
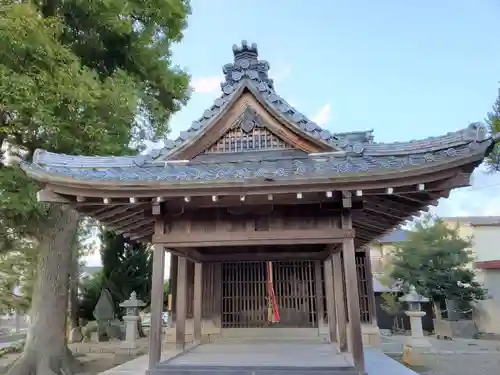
[
  {"x": 9, "y": 340},
  {"x": 455, "y": 357}
]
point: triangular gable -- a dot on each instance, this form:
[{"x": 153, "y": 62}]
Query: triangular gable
[
  {"x": 248, "y": 133},
  {"x": 245, "y": 125},
  {"x": 247, "y": 84}
]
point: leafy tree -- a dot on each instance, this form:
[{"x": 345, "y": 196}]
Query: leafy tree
[
  {"x": 126, "y": 268},
  {"x": 17, "y": 275},
  {"x": 493, "y": 123},
  {"x": 76, "y": 77},
  {"x": 435, "y": 258},
  {"x": 90, "y": 290},
  {"x": 393, "y": 307}
]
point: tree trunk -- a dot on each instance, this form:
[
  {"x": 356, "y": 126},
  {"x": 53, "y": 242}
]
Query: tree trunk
[
  {"x": 437, "y": 310},
  {"x": 45, "y": 351},
  {"x": 140, "y": 331}
]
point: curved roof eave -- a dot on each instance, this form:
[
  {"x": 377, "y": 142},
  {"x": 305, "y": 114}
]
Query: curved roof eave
[{"x": 323, "y": 170}]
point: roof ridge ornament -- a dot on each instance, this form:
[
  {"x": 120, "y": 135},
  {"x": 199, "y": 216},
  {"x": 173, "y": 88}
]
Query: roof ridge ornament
[
  {"x": 246, "y": 65},
  {"x": 247, "y": 70}
]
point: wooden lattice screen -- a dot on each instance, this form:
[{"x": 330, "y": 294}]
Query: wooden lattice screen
[
  {"x": 364, "y": 301},
  {"x": 258, "y": 139},
  {"x": 244, "y": 294}
]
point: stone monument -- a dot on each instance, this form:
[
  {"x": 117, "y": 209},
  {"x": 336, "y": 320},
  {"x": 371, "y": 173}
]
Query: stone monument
[
  {"x": 131, "y": 318},
  {"x": 417, "y": 345},
  {"x": 104, "y": 314}
]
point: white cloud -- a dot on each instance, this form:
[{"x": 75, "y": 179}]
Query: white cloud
[
  {"x": 481, "y": 199},
  {"x": 206, "y": 85},
  {"x": 323, "y": 116}
]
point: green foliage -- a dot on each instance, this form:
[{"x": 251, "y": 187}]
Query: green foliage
[
  {"x": 90, "y": 290},
  {"x": 17, "y": 274},
  {"x": 126, "y": 267},
  {"x": 82, "y": 77},
  {"x": 391, "y": 304},
  {"x": 434, "y": 259},
  {"x": 166, "y": 288},
  {"x": 493, "y": 122}
]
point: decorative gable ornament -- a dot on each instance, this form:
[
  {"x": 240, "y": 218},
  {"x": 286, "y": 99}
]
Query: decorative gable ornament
[{"x": 250, "y": 120}]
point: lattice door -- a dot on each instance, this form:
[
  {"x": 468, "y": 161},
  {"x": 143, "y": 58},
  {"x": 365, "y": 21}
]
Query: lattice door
[{"x": 245, "y": 294}]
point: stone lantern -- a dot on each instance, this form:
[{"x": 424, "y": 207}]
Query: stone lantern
[
  {"x": 131, "y": 318},
  {"x": 417, "y": 343}
]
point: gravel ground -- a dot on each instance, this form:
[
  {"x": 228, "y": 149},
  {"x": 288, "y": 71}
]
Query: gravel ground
[{"x": 455, "y": 357}]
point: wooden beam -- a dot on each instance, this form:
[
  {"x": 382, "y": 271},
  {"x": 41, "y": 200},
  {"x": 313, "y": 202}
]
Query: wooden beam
[
  {"x": 127, "y": 217},
  {"x": 372, "y": 185},
  {"x": 47, "y": 195},
  {"x": 338, "y": 287},
  {"x": 181, "y": 304},
  {"x": 352, "y": 292},
  {"x": 256, "y": 201},
  {"x": 113, "y": 212},
  {"x": 190, "y": 254},
  {"x": 330, "y": 299},
  {"x": 320, "y": 303},
  {"x": 369, "y": 286},
  {"x": 131, "y": 227},
  {"x": 157, "y": 290},
  {"x": 264, "y": 256},
  {"x": 255, "y": 238},
  {"x": 198, "y": 295}
]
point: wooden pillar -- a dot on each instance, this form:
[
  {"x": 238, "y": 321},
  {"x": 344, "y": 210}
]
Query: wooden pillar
[
  {"x": 320, "y": 302},
  {"x": 369, "y": 286},
  {"x": 181, "y": 303},
  {"x": 330, "y": 299},
  {"x": 197, "y": 313},
  {"x": 157, "y": 291},
  {"x": 352, "y": 295},
  {"x": 338, "y": 287}
]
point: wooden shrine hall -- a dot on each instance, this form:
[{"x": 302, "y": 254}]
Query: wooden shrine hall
[{"x": 265, "y": 214}]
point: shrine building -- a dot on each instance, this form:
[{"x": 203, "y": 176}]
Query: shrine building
[{"x": 266, "y": 215}]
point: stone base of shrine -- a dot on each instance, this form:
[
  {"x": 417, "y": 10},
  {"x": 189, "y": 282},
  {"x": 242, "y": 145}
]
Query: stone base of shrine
[
  {"x": 211, "y": 332},
  {"x": 283, "y": 358},
  {"x": 369, "y": 332}
]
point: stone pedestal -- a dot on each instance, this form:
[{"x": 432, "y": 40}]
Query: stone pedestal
[
  {"x": 417, "y": 338},
  {"x": 130, "y": 332},
  {"x": 417, "y": 345}
]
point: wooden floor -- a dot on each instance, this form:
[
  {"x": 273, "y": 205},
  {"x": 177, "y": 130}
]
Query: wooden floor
[{"x": 266, "y": 354}]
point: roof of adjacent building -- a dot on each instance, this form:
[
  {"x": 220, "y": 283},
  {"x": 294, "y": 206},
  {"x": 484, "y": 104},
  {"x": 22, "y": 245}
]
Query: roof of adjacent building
[
  {"x": 475, "y": 220},
  {"x": 397, "y": 235}
]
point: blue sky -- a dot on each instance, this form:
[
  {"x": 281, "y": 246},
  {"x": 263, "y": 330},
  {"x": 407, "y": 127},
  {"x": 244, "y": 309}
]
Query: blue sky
[{"x": 407, "y": 69}]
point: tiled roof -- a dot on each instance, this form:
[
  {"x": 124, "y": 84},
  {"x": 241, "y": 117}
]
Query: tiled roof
[
  {"x": 275, "y": 168},
  {"x": 475, "y": 220},
  {"x": 247, "y": 72},
  {"x": 397, "y": 235}
]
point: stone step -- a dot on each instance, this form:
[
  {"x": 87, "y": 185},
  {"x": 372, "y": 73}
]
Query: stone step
[
  {"x": 259, "y": 340},
  {"x": 170, "y": 369}
]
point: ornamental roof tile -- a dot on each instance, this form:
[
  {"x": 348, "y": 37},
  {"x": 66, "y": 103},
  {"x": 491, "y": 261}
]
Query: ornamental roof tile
[{"x": 273, "y": 167}]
